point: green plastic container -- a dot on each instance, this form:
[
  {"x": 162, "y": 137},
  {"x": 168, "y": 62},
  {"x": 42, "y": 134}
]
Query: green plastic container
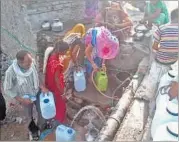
[{"x": 101, "y": 80}]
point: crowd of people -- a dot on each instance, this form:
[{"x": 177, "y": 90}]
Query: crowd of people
[{"x": 22, "y": 78}]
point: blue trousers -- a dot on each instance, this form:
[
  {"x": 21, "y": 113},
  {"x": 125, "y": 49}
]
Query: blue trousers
[{"x": 89, "y": 68}]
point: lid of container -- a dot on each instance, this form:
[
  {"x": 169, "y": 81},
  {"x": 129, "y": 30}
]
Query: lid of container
[
  {"x": 79, "y": 73},
  {"x": 46, "y": 101},
  {"x": 69, "y": 131},
  {"x": 172, "y": 128},
  {"x": 26, "y": 97},
  {"x": 172, "y": 108},
  {"x": 33, "y": 98}
]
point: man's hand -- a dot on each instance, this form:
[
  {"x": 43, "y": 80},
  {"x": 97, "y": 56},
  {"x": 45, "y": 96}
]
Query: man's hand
[
  {"x": 23, "y": 101},
  {"x": 44, "y": 89},
  {"x": 26, "y": 101},
  {"x": 173, "y": 92}
]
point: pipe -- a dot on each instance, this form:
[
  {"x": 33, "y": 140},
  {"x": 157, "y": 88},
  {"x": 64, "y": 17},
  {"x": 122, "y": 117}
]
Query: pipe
[{"x": 110, "y": 128}]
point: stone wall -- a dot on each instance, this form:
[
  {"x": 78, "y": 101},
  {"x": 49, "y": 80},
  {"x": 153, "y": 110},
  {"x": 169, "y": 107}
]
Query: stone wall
[
  {"x": 65, "y": 10},
  {"x": 40, "y": 10},
  {"x": 12, "y": 19},
  {"x": 23, "y": 19}
]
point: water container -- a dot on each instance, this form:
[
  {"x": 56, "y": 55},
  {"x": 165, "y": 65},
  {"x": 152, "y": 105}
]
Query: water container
[
  {"x": 172, "y": 107},
  {"x": 167, "y": 132},
  {"x": 47, "y": 105},
  {"x": 164, "y": 81},
  {"x": 65, "y": 134},
  {"x": 57, "y": 26},
  {"x": 79, "y": 80},
  {"x": 169, "y": 76},
  {"x": 101, "y": 81},
  {"x": 166, "y": 111},
  {"x": 46, "y": 25},
  {"x": 31, "y": 97}
]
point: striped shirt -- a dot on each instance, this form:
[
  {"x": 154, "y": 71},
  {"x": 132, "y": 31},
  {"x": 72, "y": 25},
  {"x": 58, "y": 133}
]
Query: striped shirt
[{"x": 167, "y": 37}]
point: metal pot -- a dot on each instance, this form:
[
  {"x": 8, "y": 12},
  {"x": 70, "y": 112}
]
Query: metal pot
[
  {"x": 141, "y": 28},
  {"x": 46, "y": 25},
  {"x": 57, "y": 26},
  {"x": 138, "y": 36}
]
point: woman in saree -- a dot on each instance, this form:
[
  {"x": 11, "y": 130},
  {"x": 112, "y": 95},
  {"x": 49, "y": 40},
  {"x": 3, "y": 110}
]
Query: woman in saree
[
  {"x": 100, "y": 45},
  {"x": 74, "y": 38},
  {"x": 54, "y": 78},
  {"x": 71, "y": 61},
  {"x": 116, "y": 20},
  {"x": 156, "y": 12}
]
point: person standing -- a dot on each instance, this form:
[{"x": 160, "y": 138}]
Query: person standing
[
  {"x": 54, "y": 78},
  {"x": 22, "y": 84}
]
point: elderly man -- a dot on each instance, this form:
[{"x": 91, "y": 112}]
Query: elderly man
[{"x": 22, "y": 83}]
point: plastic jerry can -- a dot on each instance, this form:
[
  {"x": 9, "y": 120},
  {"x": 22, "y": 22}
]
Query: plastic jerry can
[
  {"x": 47, "y": 105},
  {"x": 65, "y": 134},
  {"x": 166, "y": 111},
  {"x": 167, "y": 132},
  {"x": 164, "y": 81},
  {"x": 101, "y": 81},
  {"x": 79, "y": 80}
]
